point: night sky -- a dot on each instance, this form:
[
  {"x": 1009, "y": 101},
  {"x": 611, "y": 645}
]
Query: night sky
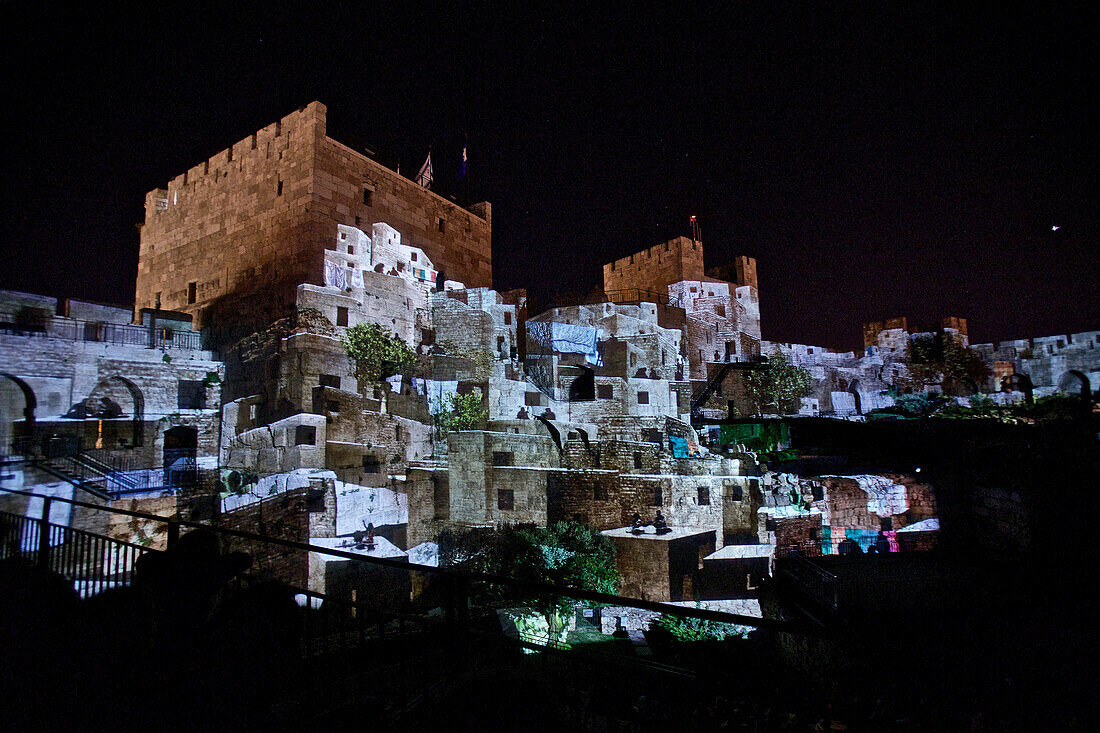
[{"x": 876, "y": 161}]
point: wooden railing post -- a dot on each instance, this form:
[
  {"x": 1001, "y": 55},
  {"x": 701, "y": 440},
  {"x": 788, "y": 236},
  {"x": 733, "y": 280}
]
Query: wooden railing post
[{"x": 44, "y": 535}]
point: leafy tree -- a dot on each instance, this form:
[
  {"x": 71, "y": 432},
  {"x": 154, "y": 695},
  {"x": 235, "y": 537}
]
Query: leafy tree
[
  {"x": 777, "y": 384},
  {"x": 378, "y": 354},
  {"x": 565, "y": 554},
  {"x": 943, "y": 359},
  {"x": 465, "y": 413}
]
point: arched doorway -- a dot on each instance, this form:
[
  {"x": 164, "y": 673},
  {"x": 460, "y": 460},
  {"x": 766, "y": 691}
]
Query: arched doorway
[
  {"x": 119, "y": 403},
  {"x": 1075, "y": 383},
  {"x": 180, "y": 449},
  {"x": 853, "y": 389},
  {"x": 17, "y": 407},
  {"x": 1019, "y": 383},
  {"x": 583, "y": 388}
]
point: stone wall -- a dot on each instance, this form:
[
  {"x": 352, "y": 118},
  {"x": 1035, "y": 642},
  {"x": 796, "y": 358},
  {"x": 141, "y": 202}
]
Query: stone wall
[
  {"x": 295, "y": 515},
  {"x": 656, "y": 268},
  {"x": 232, "y": 238}
]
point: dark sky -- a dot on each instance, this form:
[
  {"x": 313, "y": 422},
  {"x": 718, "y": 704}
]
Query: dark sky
[{"x": 876, "y": 160}]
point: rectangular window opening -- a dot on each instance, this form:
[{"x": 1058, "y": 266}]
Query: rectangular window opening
[
  {"x": 604, "y": 391},
  {"x": 506, "y": 499},
  {"x": 368, "y": 196},
  {"x": 305, "y": 435},
  {"x": 643, "y": 398},
  {"x": 503, "y": 458},
  {"x": 192, "y": 292},
  {"x": 329, "y": 380},
  {"x": 704, "y": 496},
  {"x": 192, "y": 395},
  {"x": 341, "y": 316}
]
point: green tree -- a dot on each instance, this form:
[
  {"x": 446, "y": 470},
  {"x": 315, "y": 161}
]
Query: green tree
[
  {"x": 565, "y": 554},
  {"x": 943, "y": 359},
  {"x": 378, "y": 354},
  {"x": 464, "y": 413},
  {"x": 777, "y": 385}
]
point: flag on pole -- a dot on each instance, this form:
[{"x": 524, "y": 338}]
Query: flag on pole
[
  {"x": 462, "y": 165},
  {"x": 424, "y": 177}
]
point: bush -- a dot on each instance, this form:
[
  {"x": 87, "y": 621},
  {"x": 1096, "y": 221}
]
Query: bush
[
  {"x": 701, "y": 629},
  {"x": 378, "y": 354}
]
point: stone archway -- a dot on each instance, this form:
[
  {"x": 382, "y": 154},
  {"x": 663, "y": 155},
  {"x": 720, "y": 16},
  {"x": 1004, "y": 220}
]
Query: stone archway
[
  {"x": 12, "y": 427},
  {"x": 118, "y": 397},
  {"x": 1075, "y": 383},
  {"x": 583, "y": 388},
  {"x": 1019, "y": 383},
  {"x": 181, "y": 445},
  {"x": 853, "y": 389}
]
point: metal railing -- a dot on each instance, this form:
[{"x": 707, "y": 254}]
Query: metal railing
[
  {"x": 96, "y": 331},
  {"x": 429, "y": 624},
  {"x": 93, "y": 563},
  {"x": 811, "y": 579}
]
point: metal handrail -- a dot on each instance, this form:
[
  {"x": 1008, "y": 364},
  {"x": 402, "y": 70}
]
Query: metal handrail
[
  {"x": 458, "y": 577},
  {"x": 124, "y": 334}
]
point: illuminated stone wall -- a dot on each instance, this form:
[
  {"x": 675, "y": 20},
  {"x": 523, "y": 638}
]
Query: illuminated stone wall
[{"x": 231, "y": 239}]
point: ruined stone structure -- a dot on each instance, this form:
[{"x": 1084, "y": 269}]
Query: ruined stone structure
[
  {"x": 230, "y": 240},
  {"x": 149, "y": 393}
]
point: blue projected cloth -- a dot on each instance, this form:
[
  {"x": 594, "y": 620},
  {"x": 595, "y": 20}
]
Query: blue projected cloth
[{"x": 567, "y": 338}]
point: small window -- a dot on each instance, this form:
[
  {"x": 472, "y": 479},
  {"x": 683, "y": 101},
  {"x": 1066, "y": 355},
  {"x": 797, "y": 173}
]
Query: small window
[
  {"x": 887, "y": 524},
  {"x": 506, "y": 499},
  {"x": 332, "y": 405},
  {"x": 605, "y": 391},
  {"x": 720, "y": 310},
  {"x": 500, "y": 343},
  {"x": 329, "y": 380},
  {"x": 532, "y": 399},
  {"x": 598, "y": 492},
  {"x": 305, "y": 435},
  {"x": 637, "y": 459},
  {"x": 735, "y": 493},
  {"x": 658, "y": 496},
  {"x": 341, "y": 316},
  {"x": 643, "y": 398},
  {"x": 279, "y": 188},
  {"x": 192, "y": 292},
  {"x": 507, "y": 319},
  {"x": 343, "y": 235},
  {"x": 368, "y": 196},
  {"x": 370, "y": 463},
  {"x": 693, "y": 290},
  {"x": 704, "y": 496},
  {"x": 442, "y": 226},
  {"x": 412, "y": 256},
  {"x": 192, "y": 395},
  {"x": 397, "y": 432},
  {"x": 156, "y": 300},
  {"x": 503, "y": 458},
  {"x": 351, "y": 250}
]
